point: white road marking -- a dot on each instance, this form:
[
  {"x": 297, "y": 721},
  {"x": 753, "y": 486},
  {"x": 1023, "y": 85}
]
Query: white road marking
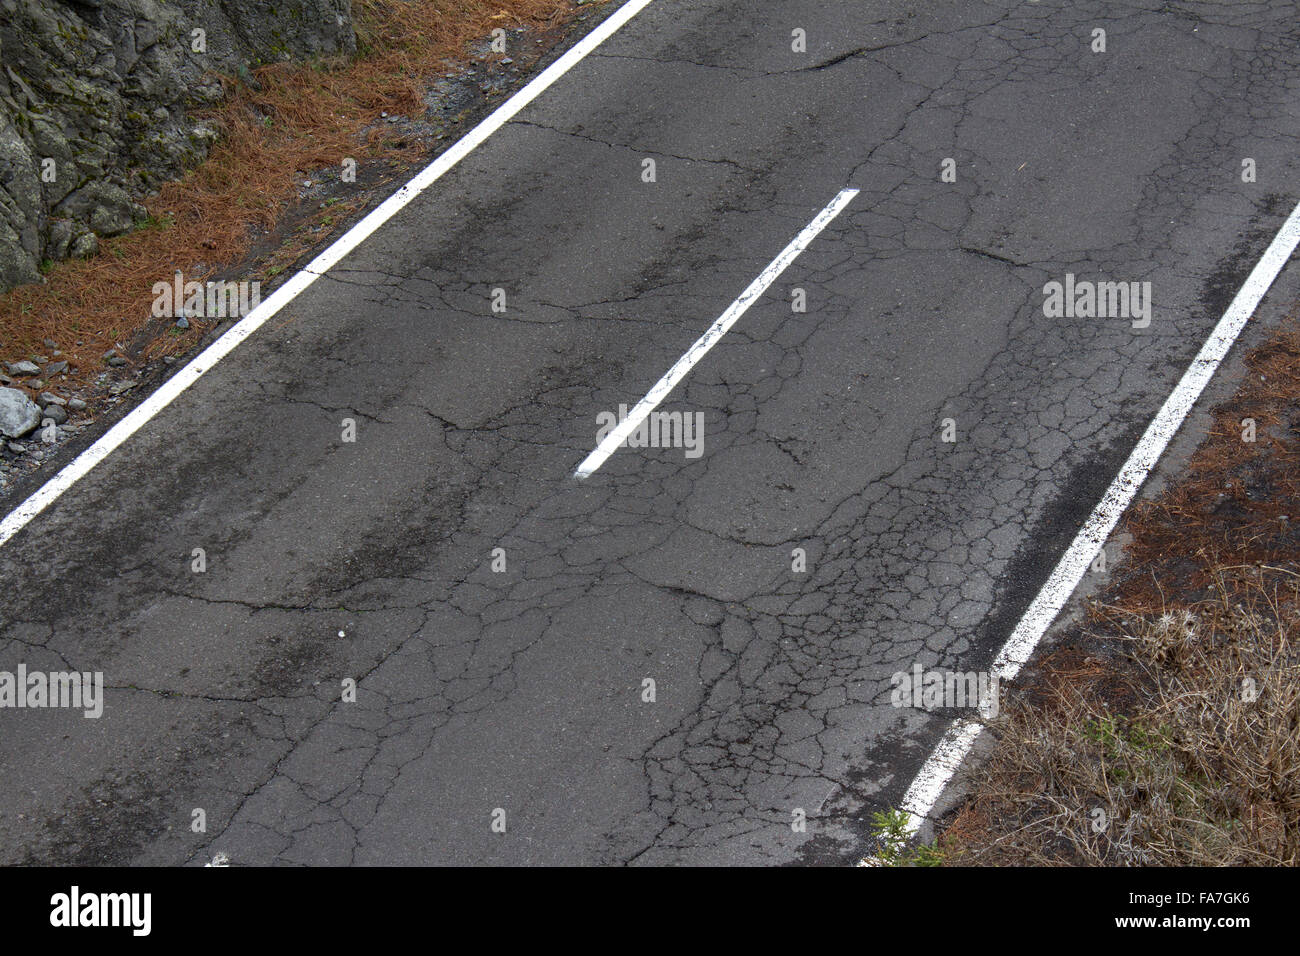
[
  {"x": 80, "y": 466},
  {"x": 956, "y": 744},
  {"x": 716, "y": 331}
]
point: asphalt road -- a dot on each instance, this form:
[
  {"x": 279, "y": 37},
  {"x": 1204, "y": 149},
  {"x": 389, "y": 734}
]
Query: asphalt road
[{"x": 522, "y": 689}]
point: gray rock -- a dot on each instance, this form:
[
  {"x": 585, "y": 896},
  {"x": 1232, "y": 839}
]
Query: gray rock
[
  {"x": 182, "y": 323},
  {"x": 54, "y": 413},
  {"x": 84, "y": 246},
  {"x": 107, "y": 207},
  {"x": 24, "y": 368},
  {"x": 18, "y": 413},
  {"x": 49, "y": 398},
  {"x": 58, "y": 243},
  {"x": 117, "y": 361},
  {"x": 76, "y": 405},
  {"x": 56, "y": 368}
]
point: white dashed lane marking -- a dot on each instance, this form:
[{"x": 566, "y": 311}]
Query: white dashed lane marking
[{"x": 682, "y": 367}]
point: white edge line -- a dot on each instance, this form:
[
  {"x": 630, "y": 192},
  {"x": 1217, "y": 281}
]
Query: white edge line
[
  {"x": 80, "y": 466},
  {"x": 938, "y": 770},
  {"x": 682, "y": 367}
]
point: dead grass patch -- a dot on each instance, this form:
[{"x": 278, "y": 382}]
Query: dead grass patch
[{"x": 1204, "y": 771}]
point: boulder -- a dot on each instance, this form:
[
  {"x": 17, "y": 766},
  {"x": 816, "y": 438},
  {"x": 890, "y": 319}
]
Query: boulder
[{"x": 18, "y": 413}]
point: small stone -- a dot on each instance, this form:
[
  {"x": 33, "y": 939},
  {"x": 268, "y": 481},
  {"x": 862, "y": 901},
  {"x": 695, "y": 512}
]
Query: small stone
[
  {"x": 37, "y": 383},
  {"x": 24, "y": 368},
  {"x": 50, "y": 343},
  {"x": 40, "y": 359},
  {"x": 54, "y": 413},
  {"x": 49, "y": 398},
  {"x": 56, "y": 368},
  {"x": 16, "y": 448},
  {"x": 117, "y": 361},
  {"x": 110, "y": 353},
  {"x": 182, "y": 323},
  {"x": 117, "y": 388},
  {"x": 76, "y": 405}
]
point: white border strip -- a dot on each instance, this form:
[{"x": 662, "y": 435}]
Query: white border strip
[
  {"x": 682, "y": 367},
  {"x": 77, "y": 469},
  {"x": 956, "y": 744}
]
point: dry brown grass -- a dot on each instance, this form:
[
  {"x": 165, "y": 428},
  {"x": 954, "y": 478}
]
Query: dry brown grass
[
  {"x": 1205, "y": 771},
  {"x": 1176, "y": 711},
  {"x": 288, "y": 120}
]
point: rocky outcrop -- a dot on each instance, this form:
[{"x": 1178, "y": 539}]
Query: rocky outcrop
[{"x": 94, "y": 104}]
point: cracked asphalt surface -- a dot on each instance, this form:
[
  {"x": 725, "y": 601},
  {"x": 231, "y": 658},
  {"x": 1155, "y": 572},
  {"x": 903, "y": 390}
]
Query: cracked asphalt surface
[{"x": 522, "y": 689}]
